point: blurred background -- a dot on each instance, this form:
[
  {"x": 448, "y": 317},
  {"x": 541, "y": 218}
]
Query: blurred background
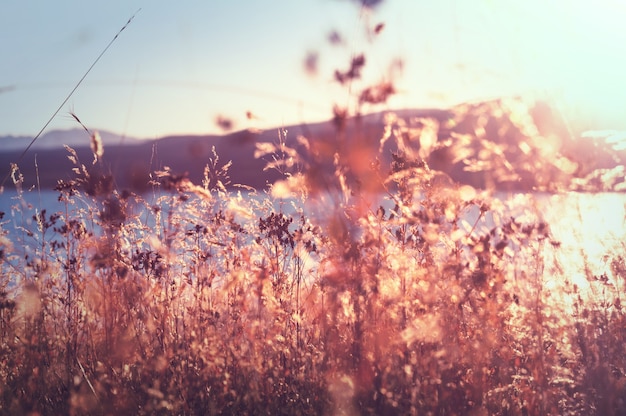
[{"x": 182, "y": 67}]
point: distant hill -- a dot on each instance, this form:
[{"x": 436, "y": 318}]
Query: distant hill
[
  {"x": 131, "y": 160},
  {"x": 76, "y": 137}
]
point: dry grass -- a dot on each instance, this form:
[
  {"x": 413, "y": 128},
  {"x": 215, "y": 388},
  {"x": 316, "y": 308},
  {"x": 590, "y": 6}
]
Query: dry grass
[
  {"x": 353, "y": 286},
  {"x": 200, "y": 300}
]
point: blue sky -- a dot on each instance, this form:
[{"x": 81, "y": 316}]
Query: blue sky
[{"x": 179, "y": 65}]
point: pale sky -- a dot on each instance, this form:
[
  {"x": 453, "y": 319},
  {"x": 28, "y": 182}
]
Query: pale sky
[{"x": 179, "y": 65}]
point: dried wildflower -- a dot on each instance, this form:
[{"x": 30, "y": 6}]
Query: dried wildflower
[
  {"x": 377, "y": 94},
  {"x": 335, "y": 38},
  {"x": 354, "y": 72},
  {"x": 16, "y": 175},
  {"x": 96, "y": 146},
  {"x": 340, "y": 117},
  {"x": 215, "y": 176},
  {"x": 68, "y": 188},
  {"x": 113, "y": 212},
  {"x": 224, "y": 123},
  {"x": 311, "y": 63},
  {"x": 96, "y": 184}
]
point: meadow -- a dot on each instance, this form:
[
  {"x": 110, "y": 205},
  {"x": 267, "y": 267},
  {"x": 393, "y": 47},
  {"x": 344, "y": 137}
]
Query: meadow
[
  {"x": 396, "y": 291},
  {"x": 367, "y": 280}
]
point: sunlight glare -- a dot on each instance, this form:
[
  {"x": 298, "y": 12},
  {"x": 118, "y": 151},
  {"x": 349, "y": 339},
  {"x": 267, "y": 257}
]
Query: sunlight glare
[{"x": 585, "y": 223}]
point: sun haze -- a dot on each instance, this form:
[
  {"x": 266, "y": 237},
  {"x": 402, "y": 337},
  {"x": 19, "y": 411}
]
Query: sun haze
[{"x": 178, "y": 67}]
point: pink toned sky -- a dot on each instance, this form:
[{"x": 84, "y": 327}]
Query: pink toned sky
[{"x": 179, "y": 65}]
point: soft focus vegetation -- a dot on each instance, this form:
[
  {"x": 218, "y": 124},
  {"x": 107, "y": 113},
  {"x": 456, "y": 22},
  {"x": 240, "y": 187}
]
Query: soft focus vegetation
[
  {"x": 365, "y": 281},
  {"x": 361, "y": 289}
]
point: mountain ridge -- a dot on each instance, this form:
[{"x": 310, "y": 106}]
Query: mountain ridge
[
  {"x": 131, "y": 161},
  {"x": 57, "y": 138}
]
